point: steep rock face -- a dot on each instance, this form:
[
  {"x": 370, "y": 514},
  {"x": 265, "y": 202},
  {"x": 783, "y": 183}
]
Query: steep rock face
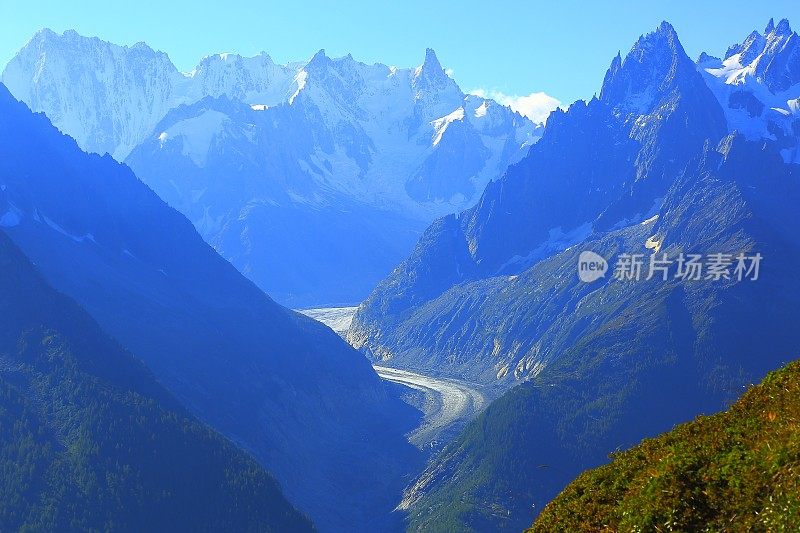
[
  {"x": 758, "y": 84},
  {"x": 104, "y": 96},
  {"x": 615, "y": 361},
  {"x": 283, "y": 386},
  {"x": 493, "y": 295},
  {"x": 89, "y": 439},
  {"x": 374, "y": 152},
  {"x": 599, "y": 166}
]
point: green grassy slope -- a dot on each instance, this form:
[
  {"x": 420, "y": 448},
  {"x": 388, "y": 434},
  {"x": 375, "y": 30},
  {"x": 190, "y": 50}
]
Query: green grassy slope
[{"x": 735, "y": 471}]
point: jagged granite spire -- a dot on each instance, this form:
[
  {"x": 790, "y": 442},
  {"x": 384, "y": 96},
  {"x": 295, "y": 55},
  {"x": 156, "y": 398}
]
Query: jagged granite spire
[
  {"x": 783, "y": 28},
  {"x": 432, "y": 87},
  {"x": 656, "y": 64},
  {"x": 774, "y": 56},
  {"x": 431, "y": 63},
  {"x": 431, "y": 69}
]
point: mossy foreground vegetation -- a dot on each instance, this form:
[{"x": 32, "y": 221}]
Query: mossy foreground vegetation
[
  {"x": 735, "y": 471},
  {"x": 90, "y": 442}
]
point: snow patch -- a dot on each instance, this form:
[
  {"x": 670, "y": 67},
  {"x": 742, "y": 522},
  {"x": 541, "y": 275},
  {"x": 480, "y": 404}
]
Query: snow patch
[
  {"x": 197, "y": 134},
  {"x": 440, "y": 125},
  {"x": 77, "y": 238},
  {"x": 653, "y": 243},
  {"x": 300, "y": 81}
]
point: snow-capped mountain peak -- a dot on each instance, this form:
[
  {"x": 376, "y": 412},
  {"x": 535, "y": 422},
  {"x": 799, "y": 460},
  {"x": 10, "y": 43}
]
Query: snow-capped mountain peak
[
  {"x": 239, "y": 143},
  {"x": 131, "y": 88},
  {"x": 758, "y": 85},
  {"x": 434, "y": 90},
  {"x": 773, "y": 58},
  {"x": 750, "y": 48},
  {"x": 110, "y": 97}
]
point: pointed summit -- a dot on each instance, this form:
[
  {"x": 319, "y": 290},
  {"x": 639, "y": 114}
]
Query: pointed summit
[
  {"x": 430, "y": 74},
  {"x": 44, "y": 33},
  {"x": 772, "y": 59},
  {"x": 431, "y": 63},
  {"x": 318, "y": 63},
  {"x": 779, "y": 66},
  {"x": 750, "y": 47},
  {"x": 665, "y": 28},
  {"x": 663, "y": 41},
  {"x": 431, "y": 69},
  {"x": 656, "y": 64},
  {"x": 783, "y": 28},
  {"x": 434, "y": 91},
  {"x": 616, "y": 64},
  {"x": 319, "y": 58}
]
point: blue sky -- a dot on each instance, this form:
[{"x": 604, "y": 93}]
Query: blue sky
[{"x": 514, "y": 47}]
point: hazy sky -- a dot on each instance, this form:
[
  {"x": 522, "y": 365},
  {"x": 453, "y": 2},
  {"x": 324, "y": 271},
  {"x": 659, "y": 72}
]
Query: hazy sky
[{"x": 514, "y": 47}]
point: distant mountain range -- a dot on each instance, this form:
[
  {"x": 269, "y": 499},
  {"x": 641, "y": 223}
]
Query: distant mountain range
[
  {"x": 331, "y": 166},
  {"x": 655, "y": 165},
  {"x": 263, "y": 376}
]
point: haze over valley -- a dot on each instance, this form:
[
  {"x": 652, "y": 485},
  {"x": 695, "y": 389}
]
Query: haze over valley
[{"x": 333, "y": 294}]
